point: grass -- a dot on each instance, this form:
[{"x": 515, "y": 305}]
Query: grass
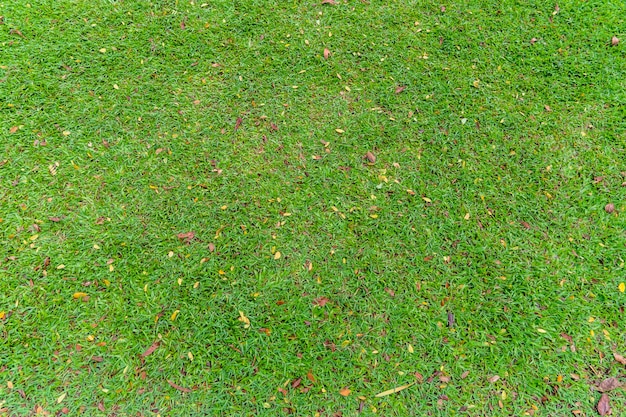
[{"x": 485, "y": 204}]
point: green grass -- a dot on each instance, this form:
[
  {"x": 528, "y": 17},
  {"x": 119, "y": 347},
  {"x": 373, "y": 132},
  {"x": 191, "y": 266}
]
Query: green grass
[{"x": 482, "y": 203}]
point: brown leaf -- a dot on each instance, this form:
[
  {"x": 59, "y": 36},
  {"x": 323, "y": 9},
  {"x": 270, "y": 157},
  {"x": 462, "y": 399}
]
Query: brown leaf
[
  {"x": 13, "y": 129},
  {"x": 151, "y": 349},
  {"x": 609, "y": 384},
  {"x": 547, "y": 108},
  {"x": 186, "y": 237},
  {"x": 614, "y": 41},
  {"x": 296, "y": 383},
  {"x": 390, "y": 292},
  {"x": 450, "y": 319},
  {"x": 370, "y": 157},
  {"x": 17, "y": 32},
  {"x": 178, "y": 387},
  {"x": 400, "y": 89},
  {"x": 100, "y": 220},
  {"x": 97, "y": 358},
  {"x": 464, "y": 374},
  {"x": 619, "y": 358},
  {"x": 310, "y": 377},
  {"x": 567, "y": 337},
  {"x": 609, "y": 208},
  {"x": 326, "y": 53},
  {"x": 345, "y": 391},
  {"x": 603, "y": 407},
  {"x": 320, "y": 301},
  {"x": 525, "y": 224},
  {"x": 494, "y": 378},
  {"x": 238, "y": 123},
  {"x": 533, "y": 40},
  {"x": 101, "y": 406},
  {"x": 182, "y": 24},
  {"x": 211, "y": 247}
]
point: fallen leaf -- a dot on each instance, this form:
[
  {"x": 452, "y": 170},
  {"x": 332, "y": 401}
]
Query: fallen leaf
[
  {"x": 310, "y": 377},
  {"x": 345, "y": 391},
  {"x": 609, "y": 208},
  {"x": 494, "y": 378},
  {"x": 178, "y": 387},
  {"x": 320, "y": 301},
  {"x": 97, "y": 359},
  {"x": 548, "y": 109},
  {"x": 101, "y": 406},
  {"x": 450, "y": 319},
  {"x": 326, "y": 53},
  {"x": 567, "y": 337},
  {"x": 525, "y": 224},
  {"x": 182, "y": 24},
  {"x": 277, "y": 255},
  {"x": 186, "y": 237},
  {"x": 393, "y": 390},
  {"x": 242, "y": 318},
  {"x": 603, "y": 407},
  {"x": 211, "y": 247},
  {"x": 296, "y": 383},
  {"x": 608, "y": 384},
  {"x": 17, "y": 32},
  {"x": 390, "y": 292},
  {"x": 619, "y": 358},
  {"x": 533, "y": 40},
  {"x": 340, "y": 131},
  {"x": 151, "y": 349},
  {"x": 426, "y": 199},
  {"x": 13, "y": 129},
  {"x": 465, "y": 374},
  {"x": 400, "y": 89},
  {"x": 370, "y": 157},
  {"x": 238, "y": 123},
  {"x": 78, "y": 295},
  {"x": 621, "y": 287},
  {"x": 614, "y": 41},
  {"x": 61, "y": 398}
]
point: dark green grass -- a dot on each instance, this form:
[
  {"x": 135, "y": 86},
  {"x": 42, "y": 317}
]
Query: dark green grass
[{"x": 482, "y": 203}]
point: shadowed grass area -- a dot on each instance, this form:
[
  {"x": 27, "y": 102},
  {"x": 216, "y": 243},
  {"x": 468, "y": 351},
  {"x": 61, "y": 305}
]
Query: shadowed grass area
[{"x": 192, "y": 177}]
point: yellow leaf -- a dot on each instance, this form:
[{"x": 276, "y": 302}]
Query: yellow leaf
[
  {"x": 190, "y": 356},
  {"x": 393, "y": 390},
  {"x": 90, "y": 338},
  {"x": 467, "y": 216},
  {"x": 410, "y": 349},
  {"x": 277, "y": 255},
  {"x": 2, "y": 315},
  {"x": 542, "y": 331},
  {"x": 242, "y": 318},
  {"x": 103, "y": 50},
  {"x": 174, "y": 315},
  {"x": 78, "y": 295},
  {"x": 106, "y": 282},
  {"x": 621, "y": 287},
  {"x": 9, "y": 385},
  {"x": 340, "y": 131},
  {"x": 61, "y": 398},
  {"x": 426, "y": 199}
]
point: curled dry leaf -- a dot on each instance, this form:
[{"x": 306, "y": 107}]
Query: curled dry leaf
[
  {"x": 393, "y": 390},
  {"x": 370, "y": 157},
  {"x": 186, "y": 237},
  {"x": 151, "y": 349},
  {"x": 326, "y": 53},
  {"x": 604, "y": 406},
  {"x": 614, "y": 41},
  {"x": 320, "y": 301},
  {"x": 178, "y": 387},
  {"x": 609, "y": 208}
]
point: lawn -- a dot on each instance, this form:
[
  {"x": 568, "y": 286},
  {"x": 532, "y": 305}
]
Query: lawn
[{"x": 260, "y": 207}]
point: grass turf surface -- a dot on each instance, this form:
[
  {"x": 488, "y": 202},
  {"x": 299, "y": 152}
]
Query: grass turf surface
[{"x": 126, "y": 123}]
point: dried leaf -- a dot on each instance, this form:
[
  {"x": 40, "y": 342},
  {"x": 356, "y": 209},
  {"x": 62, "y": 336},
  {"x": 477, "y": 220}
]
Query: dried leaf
[
  {"x": 400, "y": 89},
  {"x": 238, "y": 123},
  {"x": 567, "y": 337},
  {"x": 614, "y": 41},
  {"x": 151, "y": 349},
  {"x": 533, "y": 40},
  {"x": 310, "y": 377},
  {"x": 393, "y": 390},
  {"x": 465, "y": 374},
  {"x": 345, "y": 391},
  {"x": 603, "y": 407},
  {"x": 182, "y": 24},
  {"x": 211, "y": 247},
  {"x": 547, "y": 108},
  {"x": 78, "y": 295},
  {"x": 242, "y": 318},
  {"x": 450, "y": 319},
  {"x": 61, "y": 398},
  {"x": 178, "y": 387},
  {"x": 277, "y": 255},
  {"x": 13, "y": 129},
  {"x": 609, "y": 384},
  {"x": 370, "y": 157},
  {"x": 525, "y": 224},
  {"x": 619, "y": 358},
  {"x": 320, "y": 301},
  {"x": 609, "y": 208},
  {"x": 326, "y": 53},
  {"x": 186, "y": 237},
  {"x": 494, "y": 378},
  {"x": 296, "y": 383}
]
